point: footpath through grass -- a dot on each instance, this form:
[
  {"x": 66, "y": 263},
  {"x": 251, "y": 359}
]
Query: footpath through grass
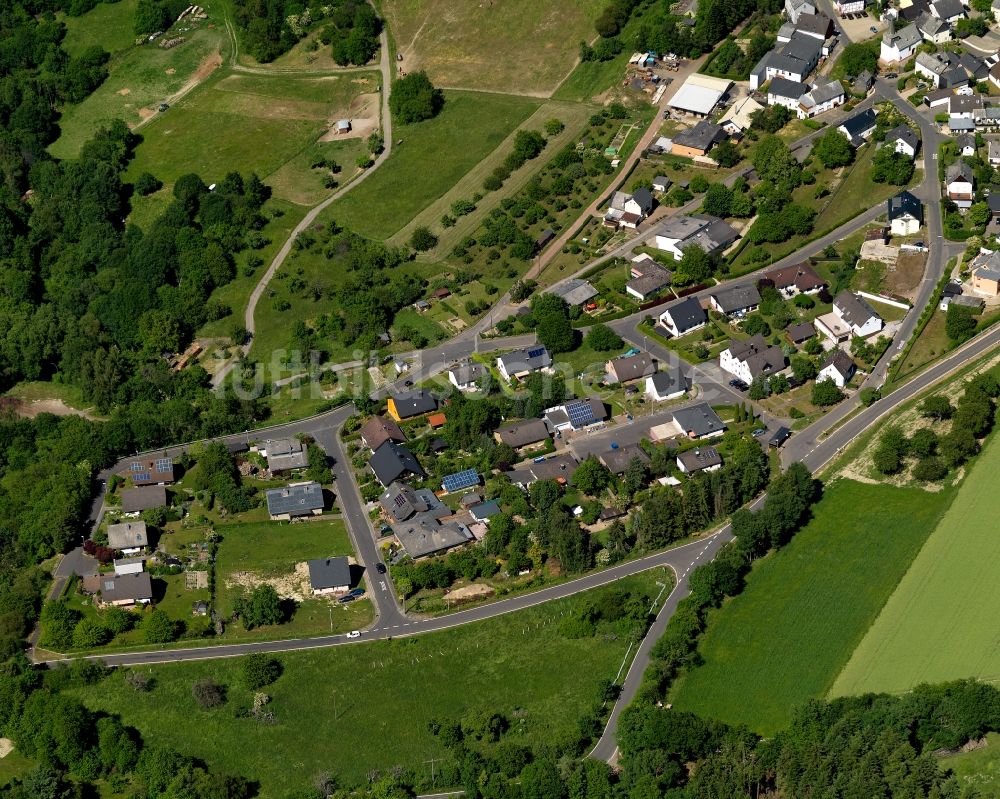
[
  {"x": 940, "y": 624},
  {"x": 805, "y": 608},
  {"x": 356, "y": 708},
  {"x": 428, "y": 158}
]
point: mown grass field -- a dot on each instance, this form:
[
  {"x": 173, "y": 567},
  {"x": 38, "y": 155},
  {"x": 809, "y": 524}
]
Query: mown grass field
[
  {"x": 517, "y": 46},
  {"x": 141, "y": 77},
  {"x": 939, "y": 624},
  {"x": 428, "y": 159},
  {"x": 108, "y": 25},
  {"x": 805, "y": 608},
  {"x": 266, "y": 124},
  {"x": 352, "y": 709}
]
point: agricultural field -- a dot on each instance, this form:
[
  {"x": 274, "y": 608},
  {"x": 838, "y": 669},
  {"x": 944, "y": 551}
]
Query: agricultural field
[
  {"x": 518, "y": 665},
  {"x": 805, "y": 608},
  {"x": 517, "y": 46},
  {"x": 428, "y": 159},
  {"x": 283, "y": 125},
  {"x": 141, "y": 77},
  {"x": 938, "y": 624}
]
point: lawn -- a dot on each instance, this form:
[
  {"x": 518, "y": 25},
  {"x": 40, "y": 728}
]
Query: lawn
[
  {"x": 108, "y": 25},
  {"x": 274, "y": 126},
  {"x": 939, "y": 623},
  {"x": 979, "y": 768},
  {"x": 14, "y": 765},
  {"x": 331, "y": 705},
  {"x": 140, "y": 78},
  {"x": 857, "y": 193},
  {"x": 429, "y": 158},
  {"x": 518, "y": 46},
  {"x": 805, "y": 608}
]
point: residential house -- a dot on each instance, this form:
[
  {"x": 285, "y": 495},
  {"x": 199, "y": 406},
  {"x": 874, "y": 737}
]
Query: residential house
[
  {"x": 629, "y": 369},
  {"x": 628, "y": 210},
  {"x": 150, "y": 471},
  {"x": 939, "y": 99},
  {"x": 932, "y": 29},
  {"x": 411, "y": 404},
  {"x": 859, "y": 128},
  {"x": 284, "y": 454},
  {"x": 966, "y": 144},
  {"x": 617, "y": 460},
  {"x": 735, "y": 300},
  {"x": 750, "y": 359},
  {"x": 905, "y": 214},
  {"x": 817, "y": 26},
  {"x": 903, "y": 139},
  {"x": 121, "y": 590},
  {"x": 518, "y": 364},
  {"x": 466, "y": 375},
  {"x": 698, "y": 422},
  {"x": 964, "y": 106},
  {"x": 702, "y": 459},
  {"x": 950, "y": 11},
  {"x": 864, "y": 82},
  {"x": 647, "y": 278},
  {"x": 400, "y": 501},
  {"x": 576, "y": 414},
  {"x": 520, "y": 435},
  {"x": 424, "y": 536},
  {"x": 129, "y": 538},
  {"x": 851, "y": 316},
  {"x": 296, "y": 500},
  {"x": 377, "y": 430},
  {"x": 976, "y": 68},
  {"x": 484, "y": 511},
  {"x": 738, "y": 117},
  {"x": 909, "y": 10},
  {"x": 985, "y": 269},
  {"x": 793, "y": 280},
  {"x": 959, "y": 184},
  {"x": 899, "y": 46},
  {"x": 845, "y": 7},
  {"x": 793, "y": 60},
  {"x": 557, "y": 467},
  {"x": 796, "y": 9},
  {"x": 699, "y": 140},
  {"x": 820, "y": 98},
  {"x": 392, "y": 461},
  {"x": 705, "y": 231},
  {"x": 683, "y": 316},
  {"x": 993, "y": 202},
  {"x": 838, "y": 367},
  {"x": 800, "y": 333},
  {"x": 668, "y": 384},
  {"x": 329, "y": 576},
  {"x": 782, "y": 91},
  {"x": 136, "y": 500},
  {"x": 576, "y": 291},
  {"x": 987, "y": 118},
  {"x": 959, "y": 125}
]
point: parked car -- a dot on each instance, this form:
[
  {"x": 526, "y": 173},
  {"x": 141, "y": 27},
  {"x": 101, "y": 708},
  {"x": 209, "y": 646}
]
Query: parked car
[
  {"x": 380, "y": 568},
  {"x": 354, "y": 634},
  {"x": 891, "y": 75},
  {"x": 357, "y": 592},
  {"x": 758, "y": 432},
  {"x": 873, "y": 29},
  {"x": 738, "y": 384}
]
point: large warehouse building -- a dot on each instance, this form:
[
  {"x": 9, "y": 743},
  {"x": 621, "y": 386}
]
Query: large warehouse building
[{"x": 699, "y": 94}]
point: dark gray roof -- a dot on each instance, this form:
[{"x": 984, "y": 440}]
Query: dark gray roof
[
  {"x": 121, "y": 587},
  {"x": 815, "y": 23},
  {"x": 859, "y": 124},
  {"x": 644, "y": 198},
  {"x": 854, "y": 310},
  {"x": 392, "y": 461},
  {"x": 806, "y": 49},
  {"x": 789, "y": 89},
  {"x": 800, "y": 332},
  {"x": 960, "y": 171},
  {"x": 699, "y": 420},
  {"x": 840, "y": 361},
  {"x": 946, "y": 9},
  {"x": 285, "y": 453},
  {"x": 905, "y": 133},
  {"x": 904, "y": 203},
  {"x": 702, "y": 136},
  {"x": 143, "y": 498},
  {"x": 631, "y": 368},
  {"x": 760, "y": 357},
  {"x": 469, "y": 372},
  {"x": 329, "y": 573},
  {"x": 618, "y": 460},
  {"x": 686, "y": 314},
  {"x": 654, "y": 278},
  {"x": 737, "y": 298},
  {"x": 414, "y": 403},
  {"x": 421, "y": 537},
  {"x": 668, "y": 381},
  {"x": 295, "y": 500},
  {"x": 527, "y": 360},
  {"x": 695, "y": 460}
]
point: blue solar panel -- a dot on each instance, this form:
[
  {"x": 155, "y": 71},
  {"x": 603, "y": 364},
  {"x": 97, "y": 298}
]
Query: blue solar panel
[
  {"x": 164, "y": 465},
  {"x": 580, "y": 413},
  {"x": 464, "y": 479},
  {"x": 536, "y": 353}
]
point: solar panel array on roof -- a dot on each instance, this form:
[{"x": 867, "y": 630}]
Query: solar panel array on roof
[
  {"x": 136, "y": 467},
  {"x": 399, "y": 500},
  {"x": 535, "y": 353},
  {"x": 580, "y": 413},
  {"x": 164, "y": 464},
  {"x": 464, "y": 479}
]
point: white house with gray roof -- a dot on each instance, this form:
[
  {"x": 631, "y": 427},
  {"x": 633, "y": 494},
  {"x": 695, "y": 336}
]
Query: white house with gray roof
[
  {"x": 518, "y": 364},
  {"x": 684, "y": 316},
  {"x": 904, "y": 140},
  {"x": 294, "y": 501},
  {"x": 822, "y": 97},
  {"x": 699, "y": 421}
]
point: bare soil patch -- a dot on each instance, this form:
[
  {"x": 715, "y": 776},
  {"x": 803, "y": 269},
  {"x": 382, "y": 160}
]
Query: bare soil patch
[
  {"x": 363, "y": 113},
  {"x": 171, "y": 71},
  {"x": 6, "y": 747},
  {"x": 124, "y": 91},
  {"x": 56, "y": 407},
  {"x": 907, "y": 274}
]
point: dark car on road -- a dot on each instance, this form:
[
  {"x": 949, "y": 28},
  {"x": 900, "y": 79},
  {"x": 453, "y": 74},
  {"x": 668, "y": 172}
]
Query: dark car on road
[
  {"x": 380, "y": 568},
  {"x": 738, "y": 384}
]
